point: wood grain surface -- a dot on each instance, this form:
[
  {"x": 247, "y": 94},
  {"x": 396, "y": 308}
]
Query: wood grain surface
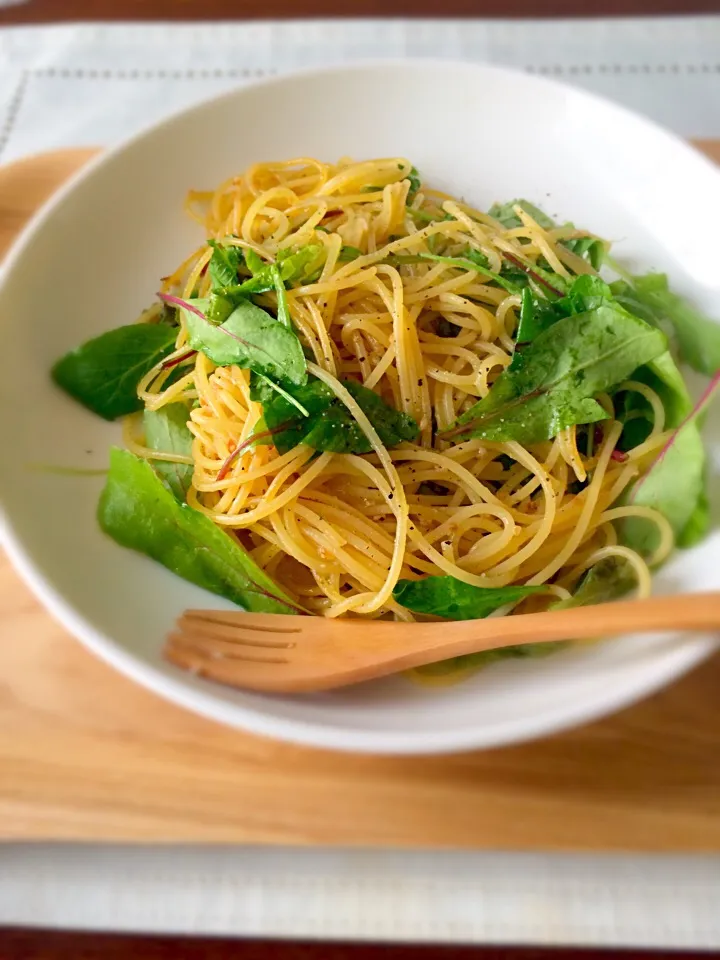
[{"x": 85, "y": 754}]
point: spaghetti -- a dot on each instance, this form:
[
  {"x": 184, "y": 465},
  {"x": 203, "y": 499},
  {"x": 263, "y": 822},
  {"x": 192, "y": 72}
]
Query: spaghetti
[{"x": 405, "y": 299}]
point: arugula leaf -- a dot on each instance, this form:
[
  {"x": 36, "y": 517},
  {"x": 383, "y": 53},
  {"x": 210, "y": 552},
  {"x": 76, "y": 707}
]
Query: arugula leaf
[
  {"x": 218, "y": 309},
  {"x": 103, "y": 373},
  {"x": 550, "y": 385},
  {"x": 224, "y": 264},
  {"x": 592, "y": 249},
  {"x": 139, "y": 512},
  {"x": 254, "y": 261},
  {"x": 422, "y": 216},
  {"x": 329, "y": 426},
  {"x": 609, "y": 579},
  {"x": 166, "y": 431},
  {"x": 283, "y": 310},
  {"x": 293, "y": 267},
  {"x": 452, "y": 598},
  {"x": 698, "y": 337},
  {"x": 505, "y": 213},
  {"x": 415, "y": 184},
  {"x": 250, "y": 337},
  {"x": 471, "y": 261}
]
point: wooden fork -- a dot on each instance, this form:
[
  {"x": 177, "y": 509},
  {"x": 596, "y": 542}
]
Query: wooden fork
[{"x": 294, "y": 654}]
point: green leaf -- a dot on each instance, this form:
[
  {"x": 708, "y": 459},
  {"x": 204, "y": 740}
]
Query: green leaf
[
  {"x": 698, "y": 524},
  {"x": 224, "y": 264},
  {"x": 675, "y": 484},
  {"x": 471, "y": 261},
  {"x": 609, "y": 579},
  {"x": 455, "y": 599},
  {"x": 166, "y": 431},
  {"x": 415, "y": 184},
  {"x": 329, "y": 425},
  {"x": 505, "y": 213},
  {"x": 536, "y": 315},
  {"x": 139, "y": 512},
  {"x": 675, "y": 487},
  {"x": 103, "y": 373},
  {"x": 283, "y": 310},
  {"x": 585, "y": 293},
  {"x": 254, "y": 261},
  {"x": 218, "y": 309},
  {"x": 592, "y": 249},
  {"x": 551, "y": 383},
  {"x": 349, "y": 253},
  {"x": 698, "y": 337},
  {"x": 293, "y": 267},
  {"x": 251, "y": 338}
]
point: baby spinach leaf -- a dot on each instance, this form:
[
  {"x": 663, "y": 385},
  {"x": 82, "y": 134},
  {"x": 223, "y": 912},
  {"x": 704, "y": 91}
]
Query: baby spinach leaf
[
  {"x": 166, "y": 431},
  {"x": 536, "y": 315},
  {"x": 251, "y": 338},
  {"x": 698, "y": 337},
  {"x": 224, "y": 264},
  {"x": 538, "y": 312},
  {"x": 329, "y": 425},
  {"x": 455, "y": 599},
  {"x": 139, "y": 512},
  {"x": 675, "y": 484},
  {"x": 609, "y": 579},
  {"x": 551, "y": 383},
  {"x": 103, "y": 373},
  {"x": 585, "y": 293},
  {"x": 675, "y": 487},
  {"x": 698, "y": 523}
]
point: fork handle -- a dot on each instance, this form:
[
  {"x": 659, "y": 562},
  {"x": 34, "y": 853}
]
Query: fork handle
[{"x": 700, "y": 611}]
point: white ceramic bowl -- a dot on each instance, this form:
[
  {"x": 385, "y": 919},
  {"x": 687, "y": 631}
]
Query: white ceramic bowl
[{"x": 92, "y": 259}]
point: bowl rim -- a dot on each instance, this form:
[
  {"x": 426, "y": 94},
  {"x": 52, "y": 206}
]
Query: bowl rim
[{"x": 249, "y": 718}]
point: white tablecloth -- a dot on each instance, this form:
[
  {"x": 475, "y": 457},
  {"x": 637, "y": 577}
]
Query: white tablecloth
[{"x": 92, "y": 85}]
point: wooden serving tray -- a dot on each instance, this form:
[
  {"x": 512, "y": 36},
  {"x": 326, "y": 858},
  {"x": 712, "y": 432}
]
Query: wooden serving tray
[{"x": 85, "y": 754}]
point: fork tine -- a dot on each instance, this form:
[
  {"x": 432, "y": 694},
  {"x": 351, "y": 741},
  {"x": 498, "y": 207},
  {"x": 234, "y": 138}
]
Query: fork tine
[
  {"x": 264, "y": 675},
  {"x": 231, "y": 633},
  {"x": 220, "y": 647},
  {"x": 208, "y": 649},
  {"x": 262, "y": 623}
]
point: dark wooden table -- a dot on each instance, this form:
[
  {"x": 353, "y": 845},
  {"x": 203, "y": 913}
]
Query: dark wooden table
[
  {"x": 42, "y": 11},
  {"x": 42, "y": 945}
]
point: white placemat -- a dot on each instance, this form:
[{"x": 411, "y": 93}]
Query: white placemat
[
  {"x": 93, "y": 85},
  {"x": 641, "y": 901}
]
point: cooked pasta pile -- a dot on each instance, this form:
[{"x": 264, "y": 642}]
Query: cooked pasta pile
[{"x": 337, "y": 531}]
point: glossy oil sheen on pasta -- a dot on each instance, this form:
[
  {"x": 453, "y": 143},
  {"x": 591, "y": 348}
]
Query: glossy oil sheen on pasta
[{"x": 337, "y": 531}]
